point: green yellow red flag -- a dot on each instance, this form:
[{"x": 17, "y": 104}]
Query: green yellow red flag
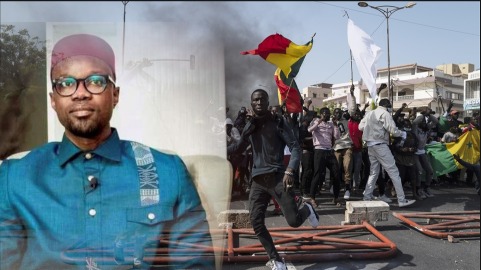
[
  {"x": 287, "y": 57},
  {"x": 467, "y": 147}
]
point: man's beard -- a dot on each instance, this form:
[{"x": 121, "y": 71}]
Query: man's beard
[{"x": 84, "y": 128}]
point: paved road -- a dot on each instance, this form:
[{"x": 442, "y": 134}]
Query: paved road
[{"x": 415, "y": 250}]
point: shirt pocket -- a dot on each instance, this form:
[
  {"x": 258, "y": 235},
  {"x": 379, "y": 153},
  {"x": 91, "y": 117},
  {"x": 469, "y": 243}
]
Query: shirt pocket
[{"x": 149, "y": 216}]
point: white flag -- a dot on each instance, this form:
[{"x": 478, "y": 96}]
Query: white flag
[{"x": 365, "y": 54}]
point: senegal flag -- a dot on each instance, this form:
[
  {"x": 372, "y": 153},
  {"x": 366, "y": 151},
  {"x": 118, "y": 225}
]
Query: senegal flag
[
  {"x": 287, "y": 92},
  {"x": 441, "y": 154},
  {"x": 287, "y": 57}
]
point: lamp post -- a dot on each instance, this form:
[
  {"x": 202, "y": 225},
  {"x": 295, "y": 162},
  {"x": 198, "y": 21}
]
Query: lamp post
[
  {"x": 123, "y": 35},
  {"x": 387, "y": 11}
]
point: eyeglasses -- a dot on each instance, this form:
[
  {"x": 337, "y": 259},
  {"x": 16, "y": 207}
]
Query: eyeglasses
[{"x": 95, "y": 84}]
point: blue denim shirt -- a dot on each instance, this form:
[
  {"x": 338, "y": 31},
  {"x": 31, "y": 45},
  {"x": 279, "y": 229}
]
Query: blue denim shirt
[{"x": 52, "y": 218}]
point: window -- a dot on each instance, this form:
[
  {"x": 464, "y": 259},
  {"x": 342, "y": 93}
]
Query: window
[
  {"x": 454, "y": 96},
  {"x": 326, "y": 95},
  {"x": 314, "y": 95}
]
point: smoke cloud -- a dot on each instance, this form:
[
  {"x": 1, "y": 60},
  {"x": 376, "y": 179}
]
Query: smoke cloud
[{"x": 225, "y": 23}]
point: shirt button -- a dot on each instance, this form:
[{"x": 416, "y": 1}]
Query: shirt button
[
  {"x": 88, "y": 155},
  {"x": 92, "y": 212},
  {"x": 151, "y": 216},
  {"x": 90, "y": 178}
]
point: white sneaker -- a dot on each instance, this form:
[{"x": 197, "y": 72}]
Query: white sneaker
[
  {"x": 276, "y": 265},
  {"x": 406, "y": 202},
  {"x": 313, "y": 217},
  {"x": 347, "y": 195},
  {"x": 385, "y": 199}
]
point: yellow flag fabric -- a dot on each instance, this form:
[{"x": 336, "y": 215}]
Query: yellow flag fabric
[
  {"x": 467, "y": 147},
  {"x": 286, "y": 60},
  {"x": 441, "y": 154},
  {"x": 287, "y": 57}
]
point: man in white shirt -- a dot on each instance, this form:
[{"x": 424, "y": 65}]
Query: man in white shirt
[{"x": 376, "y": 126}]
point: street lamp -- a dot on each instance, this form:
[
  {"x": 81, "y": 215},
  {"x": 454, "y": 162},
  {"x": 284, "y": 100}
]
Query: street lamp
[
  {"x": 387, "y": 11},
  {"x": 123, "y": 36}
]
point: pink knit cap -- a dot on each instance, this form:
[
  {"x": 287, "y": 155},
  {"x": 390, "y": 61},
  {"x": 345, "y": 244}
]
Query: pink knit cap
[{"x": 83, "y": 44}]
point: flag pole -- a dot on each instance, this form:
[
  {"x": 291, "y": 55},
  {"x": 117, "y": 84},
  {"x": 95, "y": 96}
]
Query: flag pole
[{"x": 350, "y": 52}]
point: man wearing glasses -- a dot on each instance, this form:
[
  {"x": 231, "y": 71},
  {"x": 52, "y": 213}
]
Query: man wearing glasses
[{"x": 93, "y": 201}]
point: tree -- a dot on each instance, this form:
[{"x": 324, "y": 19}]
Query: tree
[
  {"x": 22, "y": 69},
  {"x": 330, "y": 105}
]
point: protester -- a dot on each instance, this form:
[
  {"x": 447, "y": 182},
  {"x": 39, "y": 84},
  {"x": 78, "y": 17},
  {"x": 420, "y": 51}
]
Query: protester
[
  {"x": 473, "y": 124},
  {"x": 398, "y": 116},
  {"x": 422, "y": 132},
  {"x": 473, "y": 167},
  {"x": 343, "y": 149},
  {"x": 451, "y": 135},
  {"x": 66, "y": 203},
  {"x": 448, "y": 119},
  {"x": 233, "y": 136},
  {"x": 404, "y": 155},
  {"x": 269, "y": 134},
  {"x": 356, "y": 138},
  {"x": 324, "y": 133},
  {"x": 377, "y": 125},
  {"x": 307, "y": 160},
  {"x": 241, "y": 119}
]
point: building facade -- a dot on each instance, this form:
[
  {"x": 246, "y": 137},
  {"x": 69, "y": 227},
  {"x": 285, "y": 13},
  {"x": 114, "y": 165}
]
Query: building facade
[
  {"x": 417, "y": 86},
  {"x": 471, "y": 93},
  {"x": 317, "y": 94}
]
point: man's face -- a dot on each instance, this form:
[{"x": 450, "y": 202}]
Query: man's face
[
  {"x": 356, "y": 116},
  {"x": 84, "y": 114},
  {"x": 455, "y": 116},
  {"x": 274, "y": 110},
  {"x": 325, "y": 115},
  {"x": 338, "y": 113},
  {"x": 259, "y": 103},
  {"x": 400, "y": 120}
]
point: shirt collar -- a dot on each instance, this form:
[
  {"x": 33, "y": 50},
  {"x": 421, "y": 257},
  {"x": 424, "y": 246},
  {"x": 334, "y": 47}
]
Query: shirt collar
[{"x": 110, "y": 149}]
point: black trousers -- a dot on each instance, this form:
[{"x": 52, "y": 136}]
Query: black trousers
[
  {"x": 263, "y": 188},
  {"x": 307, "y": 161},
  {"x": 365, "y": 168},
  {"x": 325, "y": 159}
]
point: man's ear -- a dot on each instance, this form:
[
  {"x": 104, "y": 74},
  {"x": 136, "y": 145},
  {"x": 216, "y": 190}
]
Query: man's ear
[
  {"x": 116, "y": 93},
  {"x": 52, "y": 101}
]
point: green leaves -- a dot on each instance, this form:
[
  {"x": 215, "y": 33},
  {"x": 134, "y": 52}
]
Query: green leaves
[{"x": 22, "y": 71}]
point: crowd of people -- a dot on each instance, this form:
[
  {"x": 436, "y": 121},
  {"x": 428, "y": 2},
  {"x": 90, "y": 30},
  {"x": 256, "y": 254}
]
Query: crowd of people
[{"x": 363, "y": 150}]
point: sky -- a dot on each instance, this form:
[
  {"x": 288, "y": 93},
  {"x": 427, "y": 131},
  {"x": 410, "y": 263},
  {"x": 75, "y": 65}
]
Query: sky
[{"x": 430, "y": 33}]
